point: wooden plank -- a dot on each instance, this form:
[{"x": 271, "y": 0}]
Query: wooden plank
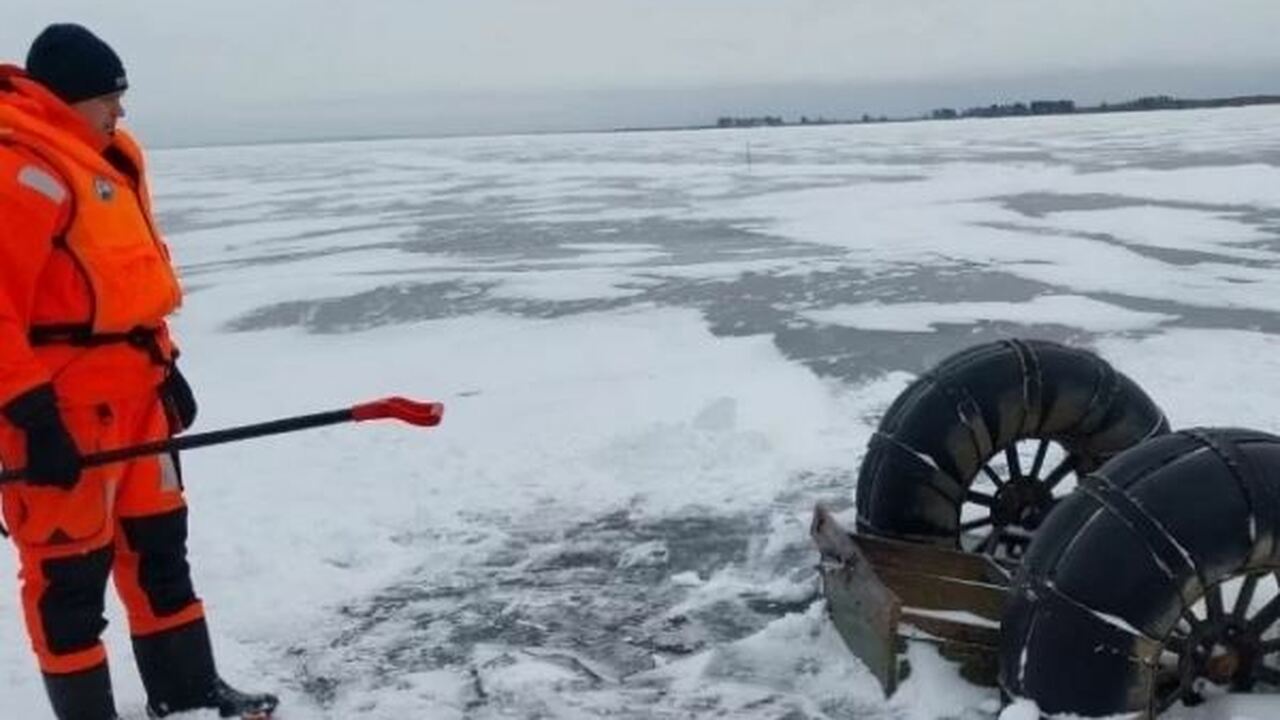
[
  {"x": 975, "y": 648},
  {"x": 951, "y": 630},
  {"x": 932, "y": 560},
  {"x": 941, "y": 593}
]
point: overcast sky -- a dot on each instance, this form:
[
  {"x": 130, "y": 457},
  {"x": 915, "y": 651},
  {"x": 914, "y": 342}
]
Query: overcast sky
[{"x": 246, "y": 70}]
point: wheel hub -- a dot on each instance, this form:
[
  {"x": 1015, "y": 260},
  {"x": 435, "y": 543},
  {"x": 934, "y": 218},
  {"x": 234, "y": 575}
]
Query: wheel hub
[
  {"x": 1022, "y": 502},
  {"x": 1224, "y": 655}
]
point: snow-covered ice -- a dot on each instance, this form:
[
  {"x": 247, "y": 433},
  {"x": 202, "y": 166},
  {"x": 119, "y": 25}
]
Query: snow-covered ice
[{"x": 655, "y": 359}]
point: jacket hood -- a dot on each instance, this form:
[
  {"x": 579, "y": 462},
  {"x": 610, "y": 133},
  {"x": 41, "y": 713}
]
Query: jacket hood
[{"x": 20, "y": 92}]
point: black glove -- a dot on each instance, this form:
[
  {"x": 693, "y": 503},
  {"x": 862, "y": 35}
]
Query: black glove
[
  {"x": 179, "y": 401},
  {"x": 52, "y": 456}
]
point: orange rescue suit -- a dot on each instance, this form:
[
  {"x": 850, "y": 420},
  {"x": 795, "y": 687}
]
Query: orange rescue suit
[{"x": 80, "y": 259}]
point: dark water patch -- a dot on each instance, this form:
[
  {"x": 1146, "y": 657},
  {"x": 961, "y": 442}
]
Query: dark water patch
[
  {"x": 529, "y": 248},
  {"x": 269, "y": 259},
  {"x": 757, "y": 302},
  {"x": 382, "y": 306},
  {"x": 1195, "y": 316},
  {"x": 937, "y": 158},
  {"x": 599, "y": 596},
  {"x": 1043, "y": 204},
  {"x": 1165, "y": 158},
  {"x": 1170, "y": 256},
  {"x": 699, "y": 543},
  {"x": 491, "y": 245},
  {"x": 854, "y": 355},
  {"x": 1080, "y": 159},
  {"x": 751, "y": 303},
  {"x": 775, "y": 304},
  {"x": 681, "y": 242},
  {"x": 747, "y": 186}
]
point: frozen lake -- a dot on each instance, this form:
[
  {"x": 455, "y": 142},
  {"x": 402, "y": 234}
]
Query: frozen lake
[{"x": 658, "y": 351}]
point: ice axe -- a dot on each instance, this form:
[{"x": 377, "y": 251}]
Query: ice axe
[{"x": 424, "y": 414}]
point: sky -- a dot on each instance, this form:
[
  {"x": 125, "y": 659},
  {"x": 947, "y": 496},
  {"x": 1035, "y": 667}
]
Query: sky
[{"x": 246, "y": 70}]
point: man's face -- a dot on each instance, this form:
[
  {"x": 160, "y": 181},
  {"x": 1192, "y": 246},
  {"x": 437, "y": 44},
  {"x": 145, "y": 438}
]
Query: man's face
[{"x": 102, "y": 112}]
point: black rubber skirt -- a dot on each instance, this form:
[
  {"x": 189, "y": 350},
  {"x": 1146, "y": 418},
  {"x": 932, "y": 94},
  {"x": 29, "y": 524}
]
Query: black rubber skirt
[
  {"x": 944, "y": 429},
  {"x": 1156, "y": 575}
]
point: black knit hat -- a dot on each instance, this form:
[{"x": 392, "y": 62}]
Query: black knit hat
[{"x": 75, "y": 64}]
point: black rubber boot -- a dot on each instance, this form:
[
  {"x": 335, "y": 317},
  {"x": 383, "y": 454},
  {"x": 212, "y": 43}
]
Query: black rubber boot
[
  {"x": 178, "y": 672},
  {"x": 84, "y": 695},
  {"x": 234, "y": 703}
]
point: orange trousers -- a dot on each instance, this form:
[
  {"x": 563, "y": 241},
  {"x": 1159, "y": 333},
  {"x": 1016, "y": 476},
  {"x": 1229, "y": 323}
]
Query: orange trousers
[{"x": 127, "y": 521}]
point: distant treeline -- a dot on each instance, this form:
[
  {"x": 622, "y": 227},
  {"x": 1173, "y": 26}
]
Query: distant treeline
[
  {"x": 1016, "y": 109},
  {"x": 1035, "y": 107},
  {"x": 776, "y": 120},
  {"x": 1067, "y": 107},
  {"x": 763, "y": 120}
]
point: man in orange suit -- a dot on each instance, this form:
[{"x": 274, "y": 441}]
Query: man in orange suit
[{"x": 86, "y": 364}]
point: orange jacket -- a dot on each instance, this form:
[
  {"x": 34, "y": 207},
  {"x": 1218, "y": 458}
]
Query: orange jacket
[{"x": 78, "y": 249}]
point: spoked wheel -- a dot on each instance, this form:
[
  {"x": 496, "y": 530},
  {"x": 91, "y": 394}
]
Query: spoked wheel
[
  {"x": 976, "y": 452},
  {"x": 1014, "y": 493},
  {"x": 1228, "y": 640},
  {"x": 1154, "y": 583}
]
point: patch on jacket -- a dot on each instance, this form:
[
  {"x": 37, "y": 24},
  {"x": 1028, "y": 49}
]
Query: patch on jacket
[{"x": 42, "y": 182}]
